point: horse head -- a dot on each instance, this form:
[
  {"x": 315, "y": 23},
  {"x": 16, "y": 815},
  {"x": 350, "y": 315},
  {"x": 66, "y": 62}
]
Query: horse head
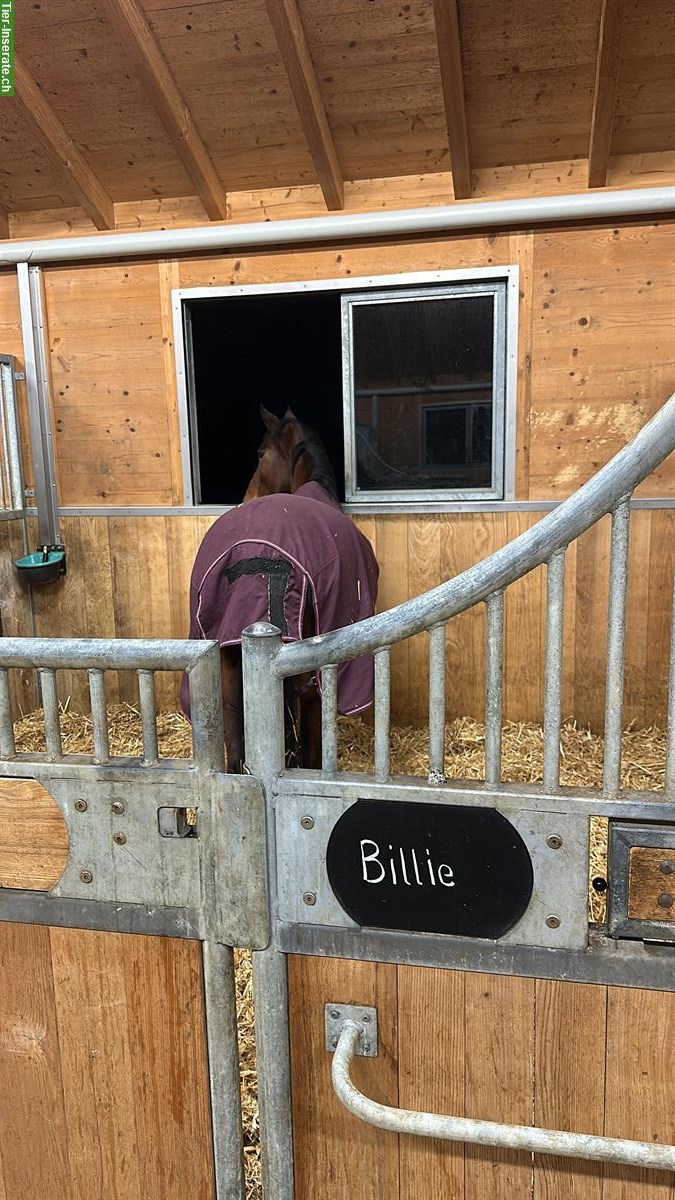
[{"x": 289, "y": 455}]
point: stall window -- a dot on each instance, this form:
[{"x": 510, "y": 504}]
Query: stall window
[{"x": 423, "y": 385}]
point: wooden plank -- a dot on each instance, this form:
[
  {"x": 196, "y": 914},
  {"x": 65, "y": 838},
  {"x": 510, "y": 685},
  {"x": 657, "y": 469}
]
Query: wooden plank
[
  {"x": 637, "y": 619},
  {"x": 648, "y": 883},
  {"x": 130, "y": 20},
  {"x": 168, "y": 279},
  {"x": 661, "y": 576},
  {"x": 446, "y": 18},
  {"x": 290, "y": 35},
  {"x": 499, "y": 1032},
  {"x": 34, "y": 845},
  {"x": 525, "y": 605},
  {"x": 569, "y": 1082},
  {"x": 431, "y": 1049},
  {"x": 4, "y": 223},
  {"x": 62, "y": 150},
  {"x": 522, "y": 252},
  {"x": 591, "y": 625},
  {"x": 393, "y": 557},
  {"x": 33, "y": 1130},
  {"x": 424, "y": 564},
  {"x": 640, "y": 1093},
  {"x": 605, "y": 92},
  {"x": 336, "y": 1156}
]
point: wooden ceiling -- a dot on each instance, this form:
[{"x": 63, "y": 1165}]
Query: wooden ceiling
[{"x": 128, "y": 100}]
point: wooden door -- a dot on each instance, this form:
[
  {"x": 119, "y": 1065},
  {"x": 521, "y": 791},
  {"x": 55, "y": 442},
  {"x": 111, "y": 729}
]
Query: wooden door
[{"x": 581, "y": 1057}]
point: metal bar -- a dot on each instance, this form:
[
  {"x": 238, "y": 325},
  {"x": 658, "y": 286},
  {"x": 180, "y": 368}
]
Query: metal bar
[
  {"x": 7, "y": 747},
  {"x": 206, "y": 711},
  {"x": 488, "y": 214},
  {"x": 31, "y": 303},
  {"x": 530, "y": 1139},
  {"x": 11, "y": 434},
  {"x": 264, "y": 743},
  {"x": 602, "y": 493},
  {"x": 50, "y": 708},
  {"x": 555, "y": 597},
  {"x": 494, "y": 687},
  {"x": 99, "y": 716},
  {"x": 437, "y": 703},
  {"x": 329, "y": 719},
  {"x": 669, "y": 783},
  {"x": 220, "y": 1003},
  {"x": 113, "y": 654},
  {"x": 382, "y": 713},
  {"x": 146, "y": 696},
  {"x": 616, "y": 636}
]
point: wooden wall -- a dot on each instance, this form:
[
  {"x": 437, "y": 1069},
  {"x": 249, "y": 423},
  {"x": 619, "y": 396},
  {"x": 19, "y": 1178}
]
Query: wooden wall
[{"x": 596, "y": 358}]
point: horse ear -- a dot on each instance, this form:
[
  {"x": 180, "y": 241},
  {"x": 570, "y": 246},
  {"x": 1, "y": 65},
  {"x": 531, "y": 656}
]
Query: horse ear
[
  {"x": 269, "y": 419},
  {"x": 289, "y": 415}
]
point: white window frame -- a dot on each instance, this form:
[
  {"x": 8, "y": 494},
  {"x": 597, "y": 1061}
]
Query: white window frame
[{"x": 364, "y": 502}]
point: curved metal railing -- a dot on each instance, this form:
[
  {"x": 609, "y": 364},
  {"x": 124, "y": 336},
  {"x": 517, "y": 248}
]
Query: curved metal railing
[{"x": 609, "y": 491}]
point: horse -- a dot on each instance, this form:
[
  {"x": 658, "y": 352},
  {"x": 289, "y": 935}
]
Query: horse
[{"x": 288, "y": 555}]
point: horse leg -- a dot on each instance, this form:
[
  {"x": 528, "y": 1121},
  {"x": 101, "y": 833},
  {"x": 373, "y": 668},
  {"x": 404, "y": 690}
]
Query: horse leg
[{"x": 233, "y": 707}]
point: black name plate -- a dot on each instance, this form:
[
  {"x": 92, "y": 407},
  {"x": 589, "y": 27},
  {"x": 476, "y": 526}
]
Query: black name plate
[{"x": 431, "y": 868}]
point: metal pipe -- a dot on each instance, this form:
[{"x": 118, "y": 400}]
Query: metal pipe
[
  {"x": 50, "y": 709},
  {"x": 99, "y": 716},
  {"x": 7, "y": 746},
  {"x": 31, "y": 306},
  {"x": 477, "y": 214},
  {"x": 654, "y": 442},
  {"x": 555, "y": 598},
  {"x": 329, "y": 718},
  {"x": 669, "y": 782},
  {"x": 146, "y": 696},
  {"x": 123, "y": 654},
  {"x": 382, "y": 713},
  {"x": 437, "y": 704},
  {"x": 616, "y": 637},
  {"x": 494, "y": 686},
  {"x": 528, "y": 1138}
]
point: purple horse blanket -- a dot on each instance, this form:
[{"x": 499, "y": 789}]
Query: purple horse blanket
[{"x": 268, "y": 559}]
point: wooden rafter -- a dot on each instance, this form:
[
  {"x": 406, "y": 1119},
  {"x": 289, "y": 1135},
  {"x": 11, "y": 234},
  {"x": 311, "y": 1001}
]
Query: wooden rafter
[
  {"x": 166, "y": 97},
  {"x": 606, "y": 88},
  {"x": 62, "y": 150},
  {"x": 4, "y": 223},
  {"x": 293, "y": 47},
  {"x": 450, "y": 58}
]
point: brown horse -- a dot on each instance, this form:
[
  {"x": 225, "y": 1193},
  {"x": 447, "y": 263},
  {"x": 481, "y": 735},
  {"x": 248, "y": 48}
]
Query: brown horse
[{"x": 287, "y": 555}]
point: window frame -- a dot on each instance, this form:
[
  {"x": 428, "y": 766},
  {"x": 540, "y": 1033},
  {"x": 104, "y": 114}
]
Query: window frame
[{"x": 439, "y": 501}]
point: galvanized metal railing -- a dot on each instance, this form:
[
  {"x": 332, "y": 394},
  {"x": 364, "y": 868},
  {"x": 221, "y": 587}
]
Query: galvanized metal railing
[{"x": 545, "y": 544}]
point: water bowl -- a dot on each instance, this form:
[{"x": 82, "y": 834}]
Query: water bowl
[{"x": 43, "y": 566}]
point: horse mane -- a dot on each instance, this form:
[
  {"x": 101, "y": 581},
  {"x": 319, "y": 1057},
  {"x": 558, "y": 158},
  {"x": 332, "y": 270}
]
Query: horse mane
[{"x": 323, "y": 472}]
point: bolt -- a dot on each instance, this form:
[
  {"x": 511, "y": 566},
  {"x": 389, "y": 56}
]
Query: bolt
[
  {"x": 334, "y": 1014},
  {"x": 599, "y": 884},
  {"x": 366, "y": 1018},
  {"x": 117, "y": 807},
  {"x": 666, "y": 868},
  {"x": 119, "y": 838},
  {"x": 553, "y": 922},
  {"x": 366, "y": 1047},
  {"x": 86, "y": 876},
  {"x": 665, "y": 900},
  {"x": 307, "y": 822},
  {"x": 309, "y": 898},
  {"x": 554, "y": 841},
  {"x": 81, "y": 805},
  {"x": 333, "y": 1042}
]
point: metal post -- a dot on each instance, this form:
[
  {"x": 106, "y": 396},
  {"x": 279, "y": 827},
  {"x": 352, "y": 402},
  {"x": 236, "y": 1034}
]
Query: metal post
[
  {"x": 329, "y": 719},
  {"x": 31, "y": 302},
  {"x": 382, "y": 713},
  {"x": 494, "y": 686},
  {"x": 437, "y": 703},
  {"x": 264, "y": 752},
  {"x": 555, "y": 600}
]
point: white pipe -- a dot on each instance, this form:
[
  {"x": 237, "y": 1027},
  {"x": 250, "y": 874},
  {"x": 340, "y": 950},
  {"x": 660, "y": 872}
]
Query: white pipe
[{"x": 483, "y": 214}]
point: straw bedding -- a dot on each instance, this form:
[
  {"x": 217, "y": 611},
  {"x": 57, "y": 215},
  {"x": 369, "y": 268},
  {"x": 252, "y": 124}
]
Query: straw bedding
[{"x": 581, "y": 765}]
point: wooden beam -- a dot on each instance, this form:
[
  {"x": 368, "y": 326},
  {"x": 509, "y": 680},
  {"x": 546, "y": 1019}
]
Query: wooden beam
[
  {"x": 139, "y": 40},
  {"x": 606, "y": 88},
  {"x": 292, "y": 44},
  {"x": 4, "y": 223},
  {"x": 61, "y": 148},
  {"x": 450, "y": 58}
]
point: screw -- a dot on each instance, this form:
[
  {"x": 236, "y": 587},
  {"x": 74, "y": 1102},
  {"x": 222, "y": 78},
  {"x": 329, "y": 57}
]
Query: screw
[
  {"x": 333, "y": 1042},
  {"x": 366, "y": 1018},
  {"x": 309, "y": 898},
  {"x": 554, "y": 841},
  {"x": 553, "y": 922},
  {"x": 366, "y": 1047},
  {"x": 117, "y": 807},
  {"x": 119, "y": 838},
  {"x": 86, "y": 876},
  {"x": 599, "y": 884},
  {"x": 334, "y": 1014},
  {"x": 665, "y": 900},
  {"x": 81, "y": 805},
  {"x": 307, "y": 822},
  {"x": 666, "y": 868}
]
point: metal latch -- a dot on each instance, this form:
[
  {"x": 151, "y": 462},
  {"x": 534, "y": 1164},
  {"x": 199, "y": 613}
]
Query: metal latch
[{"x": 177, "y": 822}]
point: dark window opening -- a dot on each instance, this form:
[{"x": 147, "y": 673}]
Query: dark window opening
[{"x": 281, "y": 351}]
